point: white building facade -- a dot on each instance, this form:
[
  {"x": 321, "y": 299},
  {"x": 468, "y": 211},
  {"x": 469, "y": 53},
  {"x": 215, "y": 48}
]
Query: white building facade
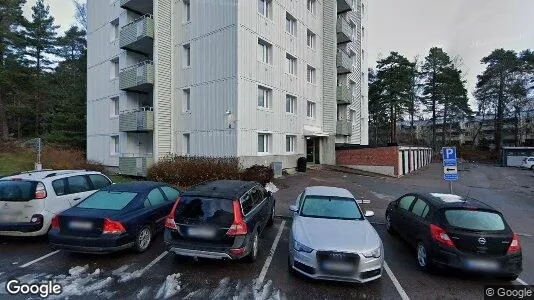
[{"x": 263, "y": 80}]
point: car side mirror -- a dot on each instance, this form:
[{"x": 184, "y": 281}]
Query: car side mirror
[
  {"x": 269, "y": 194},
  {"x": 369, "y": 213},
  {"x": 293, "y": 209}
]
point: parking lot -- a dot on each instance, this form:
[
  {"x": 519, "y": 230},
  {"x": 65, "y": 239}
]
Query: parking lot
[{"x": 158, "y": 274}]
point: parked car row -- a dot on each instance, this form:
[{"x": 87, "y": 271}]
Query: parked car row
[{"x": 330, "y": 236}]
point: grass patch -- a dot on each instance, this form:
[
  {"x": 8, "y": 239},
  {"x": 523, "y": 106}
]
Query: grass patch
[
  {"x": 122, "y": 179},
  {"x": 16, "y": 162}
]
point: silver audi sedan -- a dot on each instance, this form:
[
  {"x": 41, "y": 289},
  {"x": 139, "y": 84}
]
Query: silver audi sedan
[{"x": 331, "y": 238}]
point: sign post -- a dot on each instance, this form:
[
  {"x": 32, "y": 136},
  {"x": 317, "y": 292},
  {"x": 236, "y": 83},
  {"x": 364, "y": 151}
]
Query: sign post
[
  {"x": 38, "y": 148},
  {"x": 450, "y": 165}
]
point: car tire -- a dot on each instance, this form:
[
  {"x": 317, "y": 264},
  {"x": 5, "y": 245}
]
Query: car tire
[
  {"x": 143, "y": 239},
  {"x": 389, "y": 228},
  {"x": 270, "y": 223},
  {"x": 253, "y": 255},
  {"x": 423, "y": 258},
  {"x": 290, "y": 267},
  {"x": 532, "y": 168},
  {"x": 510, "y": 278}
]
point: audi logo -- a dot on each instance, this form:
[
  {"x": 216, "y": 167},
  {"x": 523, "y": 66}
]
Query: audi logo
[{"x": 482, "y": 241}]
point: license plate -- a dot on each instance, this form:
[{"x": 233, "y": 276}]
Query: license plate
[
  {"x": 8, "y": 217},
  {"x": 80, "y": 225},
  {"x": 484, "y": 265},
  {"x": 200, "y": 232},
  {"x": 337, "y": 266}
]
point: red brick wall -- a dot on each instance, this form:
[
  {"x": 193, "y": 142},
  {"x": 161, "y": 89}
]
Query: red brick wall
[{"x": 382, "y": 156}]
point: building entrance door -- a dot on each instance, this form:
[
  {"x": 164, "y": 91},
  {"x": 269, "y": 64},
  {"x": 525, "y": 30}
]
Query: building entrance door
[{"x": 312, "y": 150}]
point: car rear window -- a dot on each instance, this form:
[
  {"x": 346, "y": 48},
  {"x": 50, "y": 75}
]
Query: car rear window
[
  {"x": 331, "y": 208},
  {"x": 474, "y": 220},
  {"x": 17, "y": 190},
  {"x": 205, "y": 210},
  {"x": 108, "y": 200}
]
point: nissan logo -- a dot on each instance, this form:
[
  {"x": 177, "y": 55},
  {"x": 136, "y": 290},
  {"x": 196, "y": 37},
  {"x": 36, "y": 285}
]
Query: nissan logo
[{"x": 482, "y": 241}]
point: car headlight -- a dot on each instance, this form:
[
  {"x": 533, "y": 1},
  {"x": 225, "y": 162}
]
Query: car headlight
[
  {"x": 376, "y": 253},
  {"x": 301, "y": 247}
]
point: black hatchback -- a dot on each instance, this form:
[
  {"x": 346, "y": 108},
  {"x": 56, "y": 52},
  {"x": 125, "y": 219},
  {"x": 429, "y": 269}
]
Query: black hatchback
[
  {"x": 219, "y": 220},
  {"x": 453, "y": 231}
]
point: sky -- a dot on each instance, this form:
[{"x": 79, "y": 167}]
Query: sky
[
  {"x": 470, "y": 29},
  {"x": 61, "y": 10}
]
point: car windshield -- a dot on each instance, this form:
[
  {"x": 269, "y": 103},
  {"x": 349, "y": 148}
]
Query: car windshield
[
  {"x": 17, "y": 190},
  {"x": 331, "y": 208},
  {"x": 477, "y": 220},
  {"x": 108, "y": 200}
]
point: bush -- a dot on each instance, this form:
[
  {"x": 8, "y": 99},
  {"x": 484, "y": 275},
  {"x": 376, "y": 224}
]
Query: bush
[
  {"x": 187, "y": 171},
  {"x": 261, "y": 174},
  {"x": 68, "y": 159}
]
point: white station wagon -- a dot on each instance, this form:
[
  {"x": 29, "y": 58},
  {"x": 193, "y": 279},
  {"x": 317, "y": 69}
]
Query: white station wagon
[{"x": 29, "y": 200}]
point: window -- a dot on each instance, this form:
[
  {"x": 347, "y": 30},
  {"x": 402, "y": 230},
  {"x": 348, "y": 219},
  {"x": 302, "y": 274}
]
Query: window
[
  {"x": 420, "y": 208},
  {"x": 263, "y": 142},
  {"x": 291, "y": 104},
  {"x": 170, "y": 193},
  {"x": 114, "y": 33},
  {"x": 264, "y": 51},
  {"x": 187, "y": 55},
  {"x": 363, "y": 9},
  {"x": 114, "y": 149},
  {"x": 291, "y": 64},
  {"x": 114, "y": 106},
  {"x": 310, "y": 109},
  {"x": 156, "y": 197},
  {"x": 264, "y": 97},
  {"x": 59, "y": 187},
  {"x": 291, "y": 24},
  {"x": 187, "y": 144},
  {"x": 265, "y": 8},
  {"x": 363, "y": 31},
  {"x": 474, "y": 220},
  {"x": 99, "y": 181},
  {"x": 406, "y": 202},
  {"x": 363, "y": 54},
  {"x": 310, "y": 74},
  {"x": 310, "y": 40},
  {"x": 186, "y": 106},
  {"x": 114, "y": 68},
  {"x": 247, "y": 203},
  {"x": 290, "y": 143},
  {"x": 257, "y": 196},
  {"x": 330, "y": 208},
  {"x": 187, "y": 11},
  {"x": 353, "y": 117},
  {"x": 78, "y": 184},
  {"x": 108, "y": 200},
  {"x": 311, "y": 5}
]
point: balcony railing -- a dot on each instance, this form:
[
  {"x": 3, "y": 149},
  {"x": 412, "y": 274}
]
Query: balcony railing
[
  {"x": 344, "y": 127},
  {"x": 138, "y": 78},
  {"x": 138, "y": 36},
  {"x": 141, "y": 120},
  {"x": 344, "y": 31},
  {"x": 343, "y": 95},
  {"x": 344, "y": 6},
  {"x": 139, "y": 6},
  {"x": 343, "y": 63},
  {"x": 135, "y": 164}
]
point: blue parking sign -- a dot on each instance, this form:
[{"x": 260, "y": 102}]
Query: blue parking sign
[{"x": 449, "y": 156}]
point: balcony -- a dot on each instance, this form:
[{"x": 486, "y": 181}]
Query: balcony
[
  {"x": 344, "y": 127},
  {"x": 343, "y": 63},
  {"x": 352, "y": 18},
  {"x": 343, "y": 95},
  {"x": 139, "y": 6},
  {"x": 135, "y": 164},
  {"x": 137, "y": 78},
  {"x": 137, "y": 121},
  {"x": 344, "y": 31},
  {"x": 138, "y": 36},
  {"x": 344, "y": 6}
]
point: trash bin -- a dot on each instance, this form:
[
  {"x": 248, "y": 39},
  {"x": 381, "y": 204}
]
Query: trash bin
[
  {"x": 301, "y": 164},
  {"x": 277, "y": 169}
]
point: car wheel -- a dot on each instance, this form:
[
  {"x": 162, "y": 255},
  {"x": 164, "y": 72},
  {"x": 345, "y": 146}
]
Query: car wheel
[
  {"x": 532, "y": 167},
  {"x": 271, "y": 218},
  {"x": 143, "y": 239},
  {"x": 423, "y": 258},
  {"x": 388, "y": 225},
  {"x": 290, "y": 267},
  {"x": 253, "y": 255}
]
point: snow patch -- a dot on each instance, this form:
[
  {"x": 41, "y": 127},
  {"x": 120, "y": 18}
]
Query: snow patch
[
  {"x": 449, "y": 198},
  {"x": 382, "y": 196},
  {"x": 77, "y": 271},
  {"x": 270, "y": 187},
  {"x": 170, "y": 287},
  {"x": 143, "y": 292},
  {"x": 124, "y": 277},
  {"x": 119, "y": 270}
]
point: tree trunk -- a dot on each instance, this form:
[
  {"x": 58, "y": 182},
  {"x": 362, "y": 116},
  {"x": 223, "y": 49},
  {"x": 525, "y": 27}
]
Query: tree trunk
[
  {"x": 4, "y": 130},
  {"x": 444, "y": 127},
  {"x": 500, "y": 115}
]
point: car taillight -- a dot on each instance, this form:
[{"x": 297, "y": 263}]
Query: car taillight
[
  {"x": 169, "y": 221},
  {"x": 440, "y": 235},
  {"x": 55, "y": 222},
  {"x": 40, "y": 191},
  {"x": 239, "y": 227},
  {"x": 112, "y": 227},
  {"x": 514, "y": 245}
]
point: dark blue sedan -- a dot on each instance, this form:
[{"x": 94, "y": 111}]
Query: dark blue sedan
[{"x": 117, "y": 217}]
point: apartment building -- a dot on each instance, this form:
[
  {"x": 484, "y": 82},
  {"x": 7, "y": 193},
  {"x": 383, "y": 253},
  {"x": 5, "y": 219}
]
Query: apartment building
[{"x": 266, "y": 81}]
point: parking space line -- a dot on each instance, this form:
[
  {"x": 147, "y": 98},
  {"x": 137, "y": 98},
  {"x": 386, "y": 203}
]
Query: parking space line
[
  {"x": 396, "y": 283},
  {"x": 519, "y": 280},
  {"x": 269, "y": 259},
  {"x": 39, "y": 259},
  {"x": 152, "y": 263}
]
